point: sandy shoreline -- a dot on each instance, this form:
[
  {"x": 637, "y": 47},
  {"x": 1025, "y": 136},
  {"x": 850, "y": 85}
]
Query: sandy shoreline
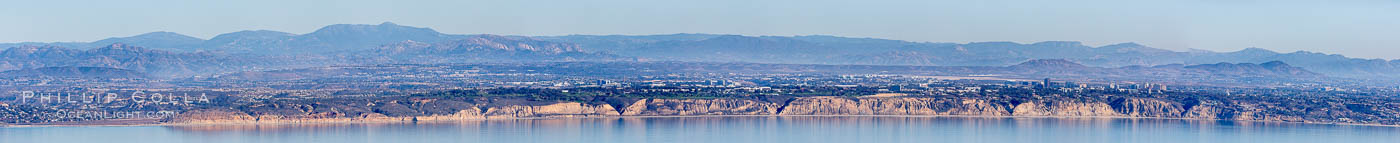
[{"x": 155, "y": 122}]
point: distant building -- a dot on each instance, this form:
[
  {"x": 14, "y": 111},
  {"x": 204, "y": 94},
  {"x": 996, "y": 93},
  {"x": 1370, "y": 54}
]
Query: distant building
[{"x": 1046, "y": 82}]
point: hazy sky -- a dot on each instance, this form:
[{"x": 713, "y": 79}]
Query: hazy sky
[{"x": 1356, "y": 28}]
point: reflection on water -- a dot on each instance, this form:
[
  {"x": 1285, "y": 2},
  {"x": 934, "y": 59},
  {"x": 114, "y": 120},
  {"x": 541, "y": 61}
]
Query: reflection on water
[{"x": 732, "y": 130}]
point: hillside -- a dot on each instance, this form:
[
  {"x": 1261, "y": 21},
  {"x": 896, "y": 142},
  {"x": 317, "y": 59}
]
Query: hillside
[
  {"x": 361, "y": 42},
  {"x": 76, "y": 72}
]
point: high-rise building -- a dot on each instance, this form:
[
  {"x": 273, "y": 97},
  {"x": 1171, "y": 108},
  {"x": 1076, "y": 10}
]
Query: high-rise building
[{"x": 1045, "y": 84}]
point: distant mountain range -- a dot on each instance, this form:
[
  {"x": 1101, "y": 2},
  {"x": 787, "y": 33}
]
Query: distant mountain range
[
  {"x": 166, "y": 53},
  {"x": 483, "y": 48},
  {"x": 168, "y": 64},
  {"x": 75, "y": 72},
  {"x": 1203, "y": 72},
  {"x": 159, "y": 62},
  {"x": 866, "y": 51}
]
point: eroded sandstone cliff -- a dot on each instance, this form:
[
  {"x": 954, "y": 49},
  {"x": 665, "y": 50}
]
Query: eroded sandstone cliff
[
  {"x": 892, "y": 106},
  {"x": 565, "y": 109},
  {"x": 438, "y": 110},
  {"x": 681, "y": 107}
]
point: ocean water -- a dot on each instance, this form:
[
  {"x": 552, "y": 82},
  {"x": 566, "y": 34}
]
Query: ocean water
[{"x": 731, "y": 129}]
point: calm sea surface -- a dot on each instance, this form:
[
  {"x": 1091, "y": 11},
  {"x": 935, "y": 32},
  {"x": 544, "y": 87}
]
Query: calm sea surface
[{"x": 730, "y": 130}]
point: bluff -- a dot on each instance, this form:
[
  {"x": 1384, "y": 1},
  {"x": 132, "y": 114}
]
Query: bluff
[
  {"x": 893, "y": 106},
  {"x": 447, "y": 110}
]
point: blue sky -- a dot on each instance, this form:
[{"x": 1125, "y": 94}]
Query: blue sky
[{"x": 1356, "y": 28}]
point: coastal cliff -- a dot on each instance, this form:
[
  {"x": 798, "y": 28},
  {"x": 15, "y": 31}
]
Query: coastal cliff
[
  {"x": 892, "y": 106},
  {"x": 565, "y": 109},
  {"x": 816, "y": 105},
  {"x": 683, "y": 107},
  {"x": 1140, "y": 107},
  {"x": 1065, "y": 109}
]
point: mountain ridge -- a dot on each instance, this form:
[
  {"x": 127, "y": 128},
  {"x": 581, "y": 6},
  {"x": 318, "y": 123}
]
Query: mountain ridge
[
  {"x": 76, "y": 72},
  {"x": 809, "y": 49}
]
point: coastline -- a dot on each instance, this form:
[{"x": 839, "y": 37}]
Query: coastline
[
  {"x": 644, "y": 116},
  {"x": 816, "y": 106}
]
